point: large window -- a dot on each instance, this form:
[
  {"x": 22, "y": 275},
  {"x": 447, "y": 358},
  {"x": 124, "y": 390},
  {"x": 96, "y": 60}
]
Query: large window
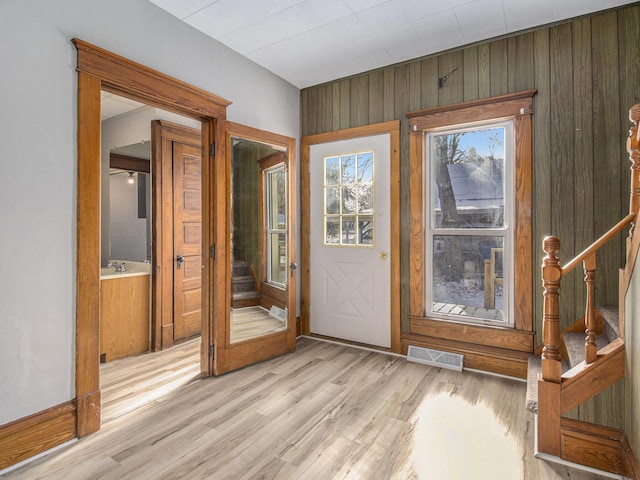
[
  {"x": 469, "y": 205},
  {"x": 471, "y": 265}
]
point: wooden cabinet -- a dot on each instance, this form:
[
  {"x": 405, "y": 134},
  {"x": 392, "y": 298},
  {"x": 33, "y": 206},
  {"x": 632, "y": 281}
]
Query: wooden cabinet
[{"x": 124, "y": 316}]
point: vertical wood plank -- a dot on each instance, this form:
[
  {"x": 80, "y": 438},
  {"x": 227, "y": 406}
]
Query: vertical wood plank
[
  {"x": 389, "y": 94},
  {"x": 541, "y": 166},
  {"x": 470, "y": 73},
  {"x": 453, "y": 89},
  {"x": 520, "y": 75},
  {"x": 326, "y": 108},
  {"x": 376, "y": 97},
  {"x": 607, "y": 153},
  {"x": 484, "y": 70},
  {"x": 498, "y": 66},
  {"x": 358, "y": 101},
  {"x": 429, "y": 82},
  {"x": 583, "y": 146},
  {"x": 562, "y": 174}
]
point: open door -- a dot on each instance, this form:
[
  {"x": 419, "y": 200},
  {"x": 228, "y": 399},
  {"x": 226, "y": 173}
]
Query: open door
[{"x": 255, "y": 258}]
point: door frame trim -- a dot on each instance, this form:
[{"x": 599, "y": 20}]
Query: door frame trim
[
  {"x": 393, "y": 129},
  {"x": 99, "y": 69}
]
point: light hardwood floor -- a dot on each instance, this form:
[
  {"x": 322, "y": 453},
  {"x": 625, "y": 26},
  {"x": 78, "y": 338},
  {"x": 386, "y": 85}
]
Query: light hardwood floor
[{"x": 325, "y": 411}]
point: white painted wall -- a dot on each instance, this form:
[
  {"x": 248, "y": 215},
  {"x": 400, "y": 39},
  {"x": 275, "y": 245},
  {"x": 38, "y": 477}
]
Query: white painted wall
[{"x": 38, "y": 156}]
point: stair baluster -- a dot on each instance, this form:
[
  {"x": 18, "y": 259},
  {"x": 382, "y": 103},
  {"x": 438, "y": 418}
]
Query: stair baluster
[{"x": 590, "y": 348}]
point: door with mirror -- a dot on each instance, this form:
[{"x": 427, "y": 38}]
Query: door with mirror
[{"x": 255, "y": 252}]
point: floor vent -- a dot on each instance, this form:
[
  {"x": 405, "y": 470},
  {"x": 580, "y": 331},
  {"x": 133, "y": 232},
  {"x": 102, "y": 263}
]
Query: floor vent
[
  {"x": 278, "y": 313},
  {"x": 436, "y": 358}
]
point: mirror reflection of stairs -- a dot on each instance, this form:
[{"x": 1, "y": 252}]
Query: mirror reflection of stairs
[{"x": 244, "y": 291}]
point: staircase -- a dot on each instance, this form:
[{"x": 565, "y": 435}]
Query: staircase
[
  {"x": 244, "y": 290},
  {"x": 587, "y": 357}
]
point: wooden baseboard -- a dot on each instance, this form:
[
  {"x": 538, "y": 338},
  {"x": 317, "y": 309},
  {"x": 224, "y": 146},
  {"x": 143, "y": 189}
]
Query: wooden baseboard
[
  {"x": 630, "y": 459},
  {"x": 37, "y": 433},
  {"x": 594, "y": 446},
  {"x": 479, "y": 357}
]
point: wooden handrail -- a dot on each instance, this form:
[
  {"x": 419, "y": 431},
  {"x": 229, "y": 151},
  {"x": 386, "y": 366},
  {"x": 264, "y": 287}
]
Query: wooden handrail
[{"x": 595, "y": 246}]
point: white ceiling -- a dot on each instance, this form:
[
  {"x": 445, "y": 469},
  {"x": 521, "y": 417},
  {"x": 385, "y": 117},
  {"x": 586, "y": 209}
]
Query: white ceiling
[{"x": 308, "y": 42}]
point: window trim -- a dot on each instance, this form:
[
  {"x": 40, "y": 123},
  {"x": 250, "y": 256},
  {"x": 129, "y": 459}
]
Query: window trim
[{"x": 517, "y": 107}]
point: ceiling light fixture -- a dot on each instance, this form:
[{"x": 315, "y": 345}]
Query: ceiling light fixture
[{"x": 131, "y": 180}]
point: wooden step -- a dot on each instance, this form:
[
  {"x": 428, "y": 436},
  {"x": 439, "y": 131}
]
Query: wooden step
[
  {"x": 241, "y": 269},
  {"x": 244, "y": 284}
]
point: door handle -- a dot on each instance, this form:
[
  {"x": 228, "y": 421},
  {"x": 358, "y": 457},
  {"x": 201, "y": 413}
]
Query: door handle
[
  {"x": 293, "y": 266},
  {"x": 179, "y": 260},
  {"x": 383, "y": 255}
]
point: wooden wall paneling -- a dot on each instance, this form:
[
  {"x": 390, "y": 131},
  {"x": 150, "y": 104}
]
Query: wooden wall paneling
[
  {"x": 484, "y": 70},
  {"x": 358, "y": 101},
  {"x": 583, "y": 147},
  {"x": 562, "y": 174},
  {"x": 452, "y": 90},
  {"x": 389, "y": 89},
  {"x": 541, "y": 166},
  {"x": 607, "y": 154},
  {"x": 429, "y": 82},
  {"x": 520, "y": 72},
  {"x": 376, "y": 97},
  {"x": 470, "y": 73},
  {"x": 327, "y": 108},
  {"x": 341, "y": 93},
  {"x": 498, "y": 66}
]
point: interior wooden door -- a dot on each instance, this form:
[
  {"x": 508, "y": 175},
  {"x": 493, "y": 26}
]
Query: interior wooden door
[
  {"x": 187, "y": 240},
  {"x": 255, "y": 256}
]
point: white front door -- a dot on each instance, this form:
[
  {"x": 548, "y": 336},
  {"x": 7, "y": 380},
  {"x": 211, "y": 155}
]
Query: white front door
[{"x": 350, "y": 240}]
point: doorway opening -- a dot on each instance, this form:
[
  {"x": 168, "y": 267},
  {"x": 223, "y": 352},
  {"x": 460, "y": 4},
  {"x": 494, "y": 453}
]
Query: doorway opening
[
  {"x": 149, "y": 300},
  {"x": 100, "y": 70}
]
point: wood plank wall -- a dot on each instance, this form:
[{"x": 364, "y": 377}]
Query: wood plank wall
[{"x": 587, "y": 73}]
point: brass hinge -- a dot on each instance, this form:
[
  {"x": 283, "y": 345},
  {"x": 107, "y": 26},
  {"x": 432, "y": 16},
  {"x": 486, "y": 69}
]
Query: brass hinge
[
  {"x": 212, "y": 351},
  {"x": 212, "y": 251},
  {"x": 212, "y": 149}
]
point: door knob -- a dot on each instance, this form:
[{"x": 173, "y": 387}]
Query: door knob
[
  {"x": 383, "y": 255},
  {"x": 179, "y": 260},
  {"x": 293, "y": 267}
]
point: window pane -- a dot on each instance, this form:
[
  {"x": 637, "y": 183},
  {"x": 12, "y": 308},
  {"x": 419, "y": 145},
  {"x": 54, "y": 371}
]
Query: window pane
[
  {"x": 332, "y": 231},
  {"x": 349, "y": 169},
  {"x": 365, "y": 230},
  {"x": 468, "y": 275},
  {"x": 277, "y": 199},
  {"x": 365, "y": 199},
  {"x": 348, "y": 231},
  {"x": 365, "y": 167},
  {"x": 349, "y": 199},
  {"x": 332, "y": 171},
  {"x": 469, "y": 179},
  {"x": 332, "y": 200},
  {"x": 278, "y": 258}
]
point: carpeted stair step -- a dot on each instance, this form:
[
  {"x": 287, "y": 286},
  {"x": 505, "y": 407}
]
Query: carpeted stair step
[
  {"x": 534, "y": 368},
  {"x": 241, "y": 269},
  {"x": 574, "y": 341},
  {"x": 245, "y": 283},
  {"x": 611, "y": 322}
]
